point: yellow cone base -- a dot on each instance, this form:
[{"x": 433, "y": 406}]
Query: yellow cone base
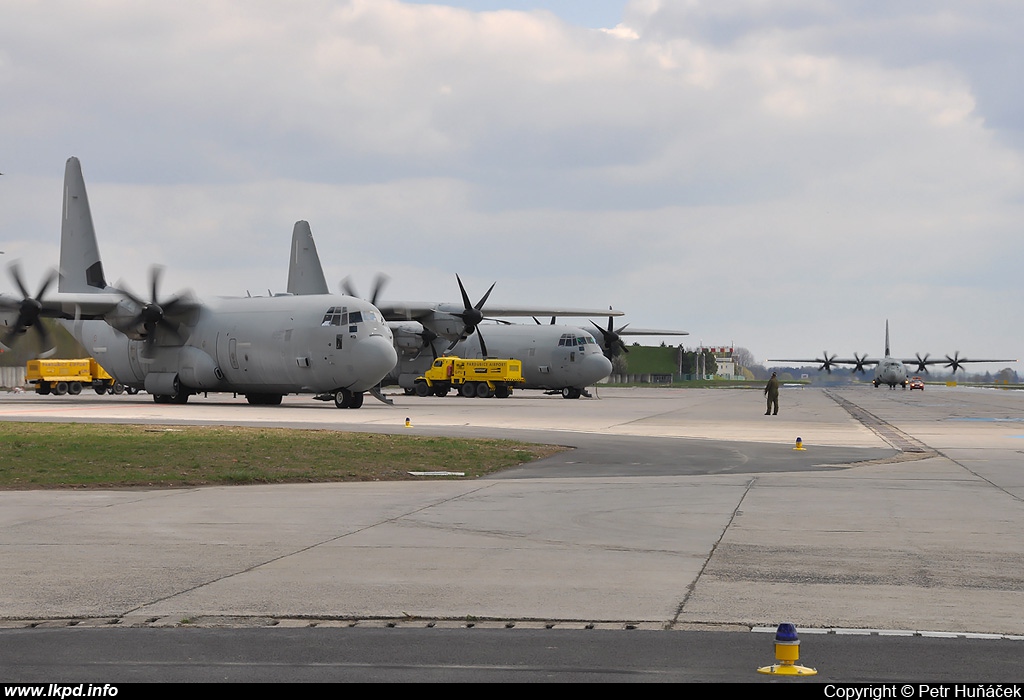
[{"x": 787, "y": 670}]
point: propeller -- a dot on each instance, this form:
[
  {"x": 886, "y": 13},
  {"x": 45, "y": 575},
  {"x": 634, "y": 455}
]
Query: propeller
[
  {"x": 472, "y": 315},
  {"x": 428, "y": 337},
  {"x": 954, "y": 362},
  {"x": 612, "y": 343},
  {"x": 379, "y": 282},
  {"x": 154, "y": 313},
  {"x": 858, "y": 362},
  {"x": 30, "y": 309},
  {"x": 827, "y": 362},
  {"x": 922, "y": 362}
]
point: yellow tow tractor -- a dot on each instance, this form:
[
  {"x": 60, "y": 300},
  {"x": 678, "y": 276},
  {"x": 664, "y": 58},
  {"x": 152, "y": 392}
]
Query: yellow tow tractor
[
  {"x": 70, "y": 377},
  {"x": 480, "y": 378}
]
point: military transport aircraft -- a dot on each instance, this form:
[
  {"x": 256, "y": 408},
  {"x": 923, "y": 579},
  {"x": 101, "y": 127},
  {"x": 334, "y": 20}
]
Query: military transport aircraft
[
  {"x": 262, "y": 347},
  {"x": 889, "y": 370},
  {"x": 556, "y": 358}
]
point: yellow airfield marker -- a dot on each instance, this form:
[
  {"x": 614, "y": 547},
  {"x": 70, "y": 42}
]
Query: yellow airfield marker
[{"x": 799, "y": 444}]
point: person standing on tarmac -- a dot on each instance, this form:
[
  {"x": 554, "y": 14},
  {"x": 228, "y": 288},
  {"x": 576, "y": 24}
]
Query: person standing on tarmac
[{"x": 772, "y": 392}]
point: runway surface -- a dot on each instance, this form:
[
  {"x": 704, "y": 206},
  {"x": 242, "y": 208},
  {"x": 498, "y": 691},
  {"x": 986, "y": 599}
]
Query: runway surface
[{"x": 677, "y": 510}]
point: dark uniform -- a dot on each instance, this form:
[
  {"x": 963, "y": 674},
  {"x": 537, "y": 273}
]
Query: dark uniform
[{"x": 772, "y": 392}]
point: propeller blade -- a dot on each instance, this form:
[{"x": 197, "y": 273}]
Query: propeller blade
[
  {"x": 483, "y": 345},
  {"x": 379, "y": 283},
  {"x": 30, "y": 309},
  {"x": 348, "y": 288}
]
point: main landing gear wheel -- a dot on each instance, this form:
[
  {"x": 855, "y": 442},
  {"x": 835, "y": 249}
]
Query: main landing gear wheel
[
  {"x": 343, "y": 398},
  {"x": 571, "y": 392},
  {"x": 180, "y": 398}
]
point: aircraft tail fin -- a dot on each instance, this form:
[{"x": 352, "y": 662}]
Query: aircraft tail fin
[
  {"x": 81, "y": 269},
  {"x": 305, "y": 273},
  {"x": 887, "y": 337}
]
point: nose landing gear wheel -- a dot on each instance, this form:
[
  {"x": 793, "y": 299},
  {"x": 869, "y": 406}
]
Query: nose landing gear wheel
[{"x": 343, "y": 398}]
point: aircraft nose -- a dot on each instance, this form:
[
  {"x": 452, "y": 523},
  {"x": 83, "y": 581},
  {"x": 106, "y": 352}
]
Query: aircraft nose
[
  {"x": 595, "y": 368},
  {"x": 374, "y": 357}
]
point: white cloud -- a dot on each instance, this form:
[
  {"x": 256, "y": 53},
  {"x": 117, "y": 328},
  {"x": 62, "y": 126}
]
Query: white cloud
[{"x": 720, "y": 167}]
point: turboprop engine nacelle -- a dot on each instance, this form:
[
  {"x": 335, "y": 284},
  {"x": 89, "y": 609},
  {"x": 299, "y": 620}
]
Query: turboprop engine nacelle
[
  {"x": 408, "y": 336},
  {"x": 124, "y": 318}
]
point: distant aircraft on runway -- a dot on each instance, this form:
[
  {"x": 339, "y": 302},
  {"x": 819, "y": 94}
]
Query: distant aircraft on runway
[{"x": 889, "y": 370}]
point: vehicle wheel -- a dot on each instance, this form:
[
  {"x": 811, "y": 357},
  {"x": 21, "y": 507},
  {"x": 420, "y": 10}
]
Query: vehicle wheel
[
  {"x": 502, "y": 391},
  {"x": 422, "y": 389},
  {"x": 468, "y": 390},
  {"x": 61, "y": 388},
  {"x": 100, "y": 389},
  {"x": 483, "y": 390},
  {"x": 440, "y": 390},
  {"x": 75, "y": 388},
  {"x": 118, "y": 388},
  {"x": 43, "y": 388}
]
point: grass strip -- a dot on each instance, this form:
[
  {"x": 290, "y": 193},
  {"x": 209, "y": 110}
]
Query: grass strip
[{"x": 62, "y": 455}]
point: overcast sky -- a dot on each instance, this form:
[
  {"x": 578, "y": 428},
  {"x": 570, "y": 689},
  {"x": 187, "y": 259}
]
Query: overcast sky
[{"x": 785, "y": 175}]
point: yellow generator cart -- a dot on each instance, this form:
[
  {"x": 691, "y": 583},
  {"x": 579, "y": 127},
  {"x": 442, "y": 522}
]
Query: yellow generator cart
[
  {"x": 70, "y": 377},
  {"x": 480, "y": 378}
]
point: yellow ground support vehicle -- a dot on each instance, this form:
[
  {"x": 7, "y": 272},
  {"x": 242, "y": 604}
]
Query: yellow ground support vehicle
[
  {"x": 480, "y": 378},
  {"x": 70, "y": 377}
]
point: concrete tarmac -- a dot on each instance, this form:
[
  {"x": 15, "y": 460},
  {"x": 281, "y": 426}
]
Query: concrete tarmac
[{"x": 677, "y": 509}]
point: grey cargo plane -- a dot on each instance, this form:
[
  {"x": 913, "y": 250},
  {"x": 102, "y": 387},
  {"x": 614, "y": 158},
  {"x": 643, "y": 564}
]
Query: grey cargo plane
[
  {"x": 556, "y": 358},
  {"x": 262, "y": 347},
  {"x": 889, "y": 370}
]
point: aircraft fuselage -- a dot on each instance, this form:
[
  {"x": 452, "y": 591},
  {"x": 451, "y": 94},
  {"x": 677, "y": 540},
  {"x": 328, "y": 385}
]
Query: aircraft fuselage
[
  {"x": 261, "y": 345},
  {"x": 891, "y": 372}
]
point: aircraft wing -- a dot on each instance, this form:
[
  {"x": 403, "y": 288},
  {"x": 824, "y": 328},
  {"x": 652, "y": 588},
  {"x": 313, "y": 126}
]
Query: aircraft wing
[
  {"x": 831, "y": 361},
  {"x": 417, "y": 310},
  {"x": 826, "y": 362},
  {"x": 953, "y": 363},
  {"x": 649, "y": 331}
]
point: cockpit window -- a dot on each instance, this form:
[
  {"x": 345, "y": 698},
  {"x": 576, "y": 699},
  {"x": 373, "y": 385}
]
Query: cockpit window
[
  {"x": 570, "y": 341},
  {"x": 335, "y": 316}
]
